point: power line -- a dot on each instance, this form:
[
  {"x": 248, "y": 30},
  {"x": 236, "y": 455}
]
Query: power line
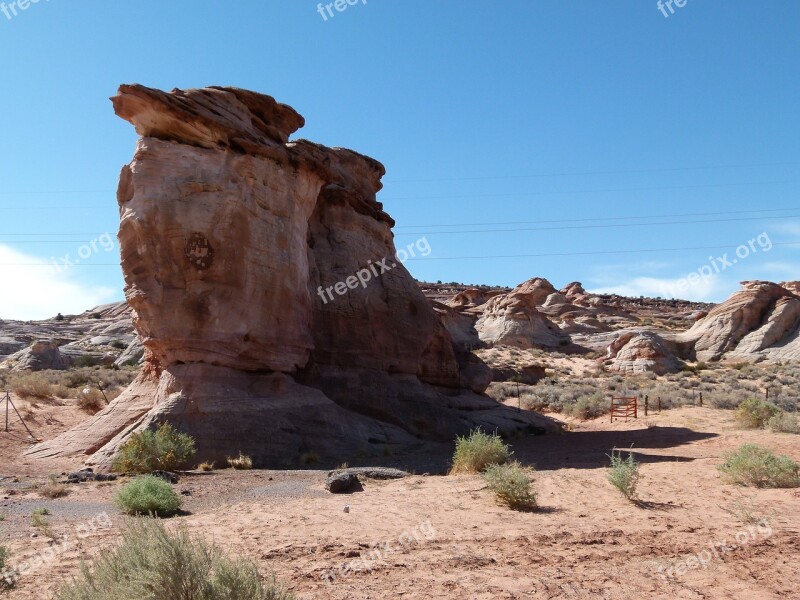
[
  {"x": 486, "y": 256},
  {"x": 55, "y": 192},
  {"x": 597, "y": 191},
  {"x": 565, "y": 227},
  {"x": 589, "y": 253},
  {"x": 616, "y": 172},
  {"x": 662, "y": 216},
  {"x": 515, "y": 229},
  {"x": 590, "y": 219}
]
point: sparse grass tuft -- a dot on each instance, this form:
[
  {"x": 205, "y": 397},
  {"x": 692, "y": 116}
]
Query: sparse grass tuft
[
  {"x": 756, "y": 466},
  {"x": 91, "y": 400},
  {"x": 31, "y": 386},
  {"x": 512, "y": 484},
  {"x": 163, "y": 449},
  {"x": 241, "y": 462},
  {"x": 53, "y": 489},
  {"x": 155, "y": 564},
  {"x": 624, "y": 474},
  {"x": 477, "y": 451},
  {"x": 148, "y": 495},
  {"x": 206, "y": 466}
]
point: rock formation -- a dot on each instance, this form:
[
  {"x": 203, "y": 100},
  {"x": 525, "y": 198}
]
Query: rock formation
[
  {"x": 241, "y": 252},
  {"x": 41, "y": 355},
  {"x": 642, "y": 352},
  {"x": 514, "y": 319},
  {"x": 759, "y": 322}
]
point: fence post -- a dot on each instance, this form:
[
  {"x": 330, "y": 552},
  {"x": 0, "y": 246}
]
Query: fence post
[
  {"x": 701, "y": 399},
  {"x": 659, "y": 405},
  {"x": 646, "y": 400}
]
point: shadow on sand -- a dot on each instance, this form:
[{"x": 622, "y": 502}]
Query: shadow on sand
[{"x": 590, "y": 449}]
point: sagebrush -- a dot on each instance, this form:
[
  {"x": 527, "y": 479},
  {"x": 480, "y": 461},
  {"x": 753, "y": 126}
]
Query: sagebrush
[
  {"x": 477, "y": 451},
  {"x": 756, "y": 466},
  {"x": 512, "y": 484},
  {"x": 164, "y": 449},
  {"x": 148, "y": 495},
  {"x": 624, "y": 474},
  {"x": 155, "y": 564},
  {"x": 755, "y": 413}
]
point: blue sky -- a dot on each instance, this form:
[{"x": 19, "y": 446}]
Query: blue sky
[{"x": 559, "y": 120}]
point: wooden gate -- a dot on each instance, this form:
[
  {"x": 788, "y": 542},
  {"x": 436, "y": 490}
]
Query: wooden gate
[{"x": 624, "y": 407}]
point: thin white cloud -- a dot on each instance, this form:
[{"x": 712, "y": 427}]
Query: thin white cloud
[
  {"x": 784, "y": 271},
  {"x": 711, "y": 289},
  {"x": 40, "y": 292},
  {"x": 791, "y": 228}
]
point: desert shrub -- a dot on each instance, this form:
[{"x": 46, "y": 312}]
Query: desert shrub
[
  {"x": 206, "y": 466},
  {"x": 31, "y": 385},
  {"x": 91, "y": 399},
  {"x": 477, "y": 451},
  {"x": 155, "y": 564},
  {"x": 754, "y": 465},
  {"x": 241, "y": 462},
  {"x": 754, "y": 413},
  {"x": 6, "y": 578},
  {"x": 623, "y": 474},
  {"x": 512, "y": 484},
  {"x": 163, "y": 449},
  {"x": 590, "y": 407},
  {"x": 53, "y": 489},
  {"x": 784, "y": 422},
  {"x": 147, "y": 494}
]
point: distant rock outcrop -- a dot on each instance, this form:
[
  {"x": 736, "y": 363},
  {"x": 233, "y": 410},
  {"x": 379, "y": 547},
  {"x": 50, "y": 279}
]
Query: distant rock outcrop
[
  {"x": 759, "y": 322},
  {"x": 642, "y": 352},
  {"x": 232, "y": 239},
  {"x": 40, "y": 356},
  {"x": 514, "y": 319}
]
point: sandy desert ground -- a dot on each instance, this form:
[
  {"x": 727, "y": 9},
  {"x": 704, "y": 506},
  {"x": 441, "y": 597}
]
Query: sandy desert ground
[{"x": 433, "y": 535}]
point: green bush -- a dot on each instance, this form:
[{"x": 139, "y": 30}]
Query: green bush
[
  {"x": 6, "y": 574},
  {"x": 164, "y": 449},
  {"x": 154, "y": 564},
  {"x": 477, "y": 451},
  {"x": 784, "y": 423},
  {"x": 590, "y": 407},
  {"x": 756, "y": 466},
  {"x": 148, "y": 494},
  {"x": 754, "y": 413},
  {"x": 623, "y": 474},
  {"x": 512, "y": 484}
]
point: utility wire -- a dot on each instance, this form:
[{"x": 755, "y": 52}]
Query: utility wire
[
  {"x": 592, "y": 219},
  {"x": 617, "y": 172},
  {"x": 597, "y": 191},
  {"x": 565, "y": 227},
  {"x": 479, "y": 257}
]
